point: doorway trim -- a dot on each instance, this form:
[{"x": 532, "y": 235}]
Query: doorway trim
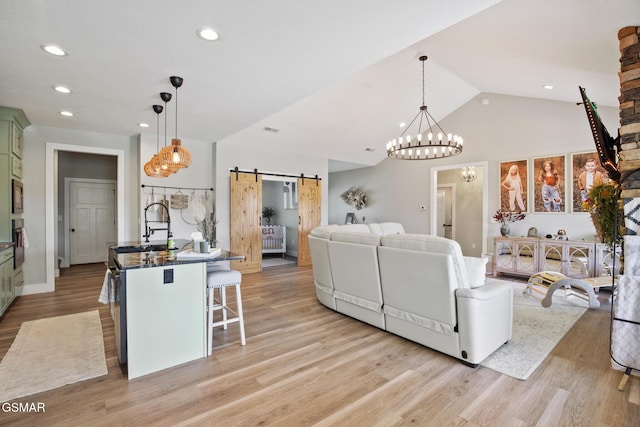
[
  {"x": 51, "y": 197},
  {"x": 485, "y": 196}
]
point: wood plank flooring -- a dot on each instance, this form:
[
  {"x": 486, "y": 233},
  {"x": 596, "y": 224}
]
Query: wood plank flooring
[{"x": 306, "y": 365}]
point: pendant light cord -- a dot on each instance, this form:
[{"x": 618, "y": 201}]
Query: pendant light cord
[
  {"x": 165, "y": 123},
  {"x": 176, "y": 113}
]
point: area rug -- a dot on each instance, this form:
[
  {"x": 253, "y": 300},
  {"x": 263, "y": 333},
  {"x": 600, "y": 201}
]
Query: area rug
[
  {"x": 49, "y": 353},
  {"x": 536, "y": 331},
  {"x": 272, "y": 262}
]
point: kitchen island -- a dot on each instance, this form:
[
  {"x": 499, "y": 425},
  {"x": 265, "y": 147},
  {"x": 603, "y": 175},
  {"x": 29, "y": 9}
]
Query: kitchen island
[{"x": 158, "y": 306}]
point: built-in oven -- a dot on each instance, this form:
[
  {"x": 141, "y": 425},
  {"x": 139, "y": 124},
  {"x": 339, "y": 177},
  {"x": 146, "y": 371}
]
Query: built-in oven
[
  {"x": 17, "y": 196},
  {"x": 17, "y": 226}
]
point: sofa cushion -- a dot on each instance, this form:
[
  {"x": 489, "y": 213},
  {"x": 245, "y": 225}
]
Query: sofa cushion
[
  {"x": 361, "y": 228},
  {"x": 385, "y": 228},
  {"x": 375, "y": 228},
  {"x": 435, "y": 244},
  {"x": 324, "y": 231},
  {"x": 356, "y": 237},
  {"x": 476, "y": 271}
]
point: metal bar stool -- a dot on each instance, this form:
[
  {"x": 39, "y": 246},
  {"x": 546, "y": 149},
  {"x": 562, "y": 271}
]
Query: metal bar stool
[{"x": 220, "y": 277}]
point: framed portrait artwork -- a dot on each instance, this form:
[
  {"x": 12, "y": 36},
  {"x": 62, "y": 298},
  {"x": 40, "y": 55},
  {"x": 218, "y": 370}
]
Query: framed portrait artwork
[
  {"x": 514, "y": 183},
  {"x": 549, "y": 187},
  {"x": 586, "y": 171}
]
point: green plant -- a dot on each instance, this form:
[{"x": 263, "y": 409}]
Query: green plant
[
  {"x": 268, "y": 213},
  {"x": 602, "y": 204},
  {"x": 208, "y": 228},
  {"x": 506, "y": 218}
]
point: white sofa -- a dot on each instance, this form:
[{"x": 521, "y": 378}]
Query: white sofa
[{"x": 416, "y": 286}]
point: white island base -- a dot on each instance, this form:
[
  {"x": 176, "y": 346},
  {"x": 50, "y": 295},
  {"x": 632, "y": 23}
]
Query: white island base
[{"x": 165, "y": 308}]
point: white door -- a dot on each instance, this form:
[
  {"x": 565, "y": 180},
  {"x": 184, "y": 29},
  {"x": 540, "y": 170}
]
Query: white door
[
  {"x": 92, "y": 222},
  {"x": 445, "y": 218}
]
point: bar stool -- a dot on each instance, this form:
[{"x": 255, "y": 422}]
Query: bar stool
[{"x": 220, "y": 277}]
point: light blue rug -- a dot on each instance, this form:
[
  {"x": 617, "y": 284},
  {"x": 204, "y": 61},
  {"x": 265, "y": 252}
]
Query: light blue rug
[{"x": 536, "y": 331}]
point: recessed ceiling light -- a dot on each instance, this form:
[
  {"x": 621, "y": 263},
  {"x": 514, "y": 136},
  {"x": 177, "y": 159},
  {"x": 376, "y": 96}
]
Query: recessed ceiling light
[
  {"x": 66, "y": 113},
  {"x": 62, "y": 89},
  {"x": 548, "y": 87},
  {"x": 208, "y": 33},
  {"x": 402, "y": 124},
  {"x": 53, "y": 50},
  {"x": 143, "y": 125}
]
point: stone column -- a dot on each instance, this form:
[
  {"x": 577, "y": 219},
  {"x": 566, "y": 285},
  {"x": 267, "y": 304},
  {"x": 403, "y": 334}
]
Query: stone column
[
  {"x": 625, "y": 336},
  {"x": 630, "y": 110}
]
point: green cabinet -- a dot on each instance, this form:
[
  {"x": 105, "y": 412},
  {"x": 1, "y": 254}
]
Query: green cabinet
[
  {"x": 7, "y": 290},
  {"x": 12, "y": 123}
]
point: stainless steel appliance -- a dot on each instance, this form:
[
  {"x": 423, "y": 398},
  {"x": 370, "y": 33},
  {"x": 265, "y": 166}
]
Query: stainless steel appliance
[
  {"x": 16, "y": 196},
  {"x": 17, "y": 232},
  {"x": 118, "y": 307}
]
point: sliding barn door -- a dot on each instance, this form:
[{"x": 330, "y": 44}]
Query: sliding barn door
[
  {"x": 308, "y": 215},
  {"x": 246, "y": 210}
]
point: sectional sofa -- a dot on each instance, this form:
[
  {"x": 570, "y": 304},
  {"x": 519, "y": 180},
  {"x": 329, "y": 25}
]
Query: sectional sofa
[{"x": 416, "y": 286}]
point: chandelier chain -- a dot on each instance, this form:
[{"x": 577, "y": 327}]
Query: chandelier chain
[{"x": 423, "y": 103}]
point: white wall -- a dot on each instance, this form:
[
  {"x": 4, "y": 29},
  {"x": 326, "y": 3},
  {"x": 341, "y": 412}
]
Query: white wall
[
  {"x": 508, "y": 128},
  {"x": 35, "y": 180},
  {"x": 200, "y": 174}
]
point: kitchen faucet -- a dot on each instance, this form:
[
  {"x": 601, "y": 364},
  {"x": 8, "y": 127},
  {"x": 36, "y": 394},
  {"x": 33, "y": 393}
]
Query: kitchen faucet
[{"x": 148, "y": 231}]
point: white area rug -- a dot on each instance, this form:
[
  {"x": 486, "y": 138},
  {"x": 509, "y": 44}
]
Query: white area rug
[
  {"x": 536, "y": 331},
  {"x": 49, "y": 353},
  {"x": 272, "y": 262}
]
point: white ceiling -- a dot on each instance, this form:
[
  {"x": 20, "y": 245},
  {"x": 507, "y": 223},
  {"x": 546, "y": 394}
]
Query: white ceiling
[{"x": 335, "y": 77}]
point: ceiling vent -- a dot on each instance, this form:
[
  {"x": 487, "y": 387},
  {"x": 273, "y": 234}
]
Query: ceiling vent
[{"x": 272, "y": 130}]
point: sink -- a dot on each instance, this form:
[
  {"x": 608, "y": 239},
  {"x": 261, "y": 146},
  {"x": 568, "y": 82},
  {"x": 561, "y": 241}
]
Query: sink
[{"x": 140, "y": 248}]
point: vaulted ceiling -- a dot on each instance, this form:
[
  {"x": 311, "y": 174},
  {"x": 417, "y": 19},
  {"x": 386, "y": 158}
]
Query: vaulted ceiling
[{"x": 335, "y": 78}]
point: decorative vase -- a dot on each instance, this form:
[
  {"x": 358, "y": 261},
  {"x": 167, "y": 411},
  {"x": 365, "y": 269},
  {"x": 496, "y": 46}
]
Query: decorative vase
[{"x": 504, "y": 230}]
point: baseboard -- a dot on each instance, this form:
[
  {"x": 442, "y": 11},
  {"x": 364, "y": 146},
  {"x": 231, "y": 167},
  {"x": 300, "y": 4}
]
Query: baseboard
[{"x": 38, "y": 288}]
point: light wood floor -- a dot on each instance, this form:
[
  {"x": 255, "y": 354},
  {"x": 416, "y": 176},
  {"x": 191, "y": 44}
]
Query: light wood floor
[{"x": 306, "y": 365}]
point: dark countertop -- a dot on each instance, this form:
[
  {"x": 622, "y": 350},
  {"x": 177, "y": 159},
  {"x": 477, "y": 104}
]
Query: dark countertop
[
  {"x": 5, "y": 245},
  {"x": 158, "y": 258}
]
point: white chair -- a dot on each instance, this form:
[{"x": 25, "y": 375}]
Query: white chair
[{"x": 220, "y": 277}]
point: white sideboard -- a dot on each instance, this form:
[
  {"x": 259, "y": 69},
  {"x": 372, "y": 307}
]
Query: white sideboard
[{"x": 524, "y": 256}]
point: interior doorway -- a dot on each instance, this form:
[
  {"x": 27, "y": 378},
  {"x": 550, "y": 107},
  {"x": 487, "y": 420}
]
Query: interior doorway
[
  {"x": 470, "y": 218},
  {"x": 446, "y": 211},
  {"x": 280, "y": 231},
  {"x": 53, "y": 223}
]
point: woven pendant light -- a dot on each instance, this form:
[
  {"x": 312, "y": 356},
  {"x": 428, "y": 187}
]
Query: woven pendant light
[
  {"x": 175, "y": 155},
  {"x": 153, "y": 168}
]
